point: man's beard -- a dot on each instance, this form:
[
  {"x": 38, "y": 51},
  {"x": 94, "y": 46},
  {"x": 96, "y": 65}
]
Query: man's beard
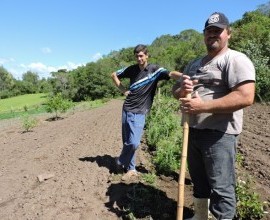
[{"x": 212, "y": 47}]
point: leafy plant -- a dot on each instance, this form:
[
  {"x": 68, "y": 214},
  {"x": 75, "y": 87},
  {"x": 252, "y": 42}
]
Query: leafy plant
[
  {"x": 164, "y": 134},
  {"x": 162, "y": 121},
  {"x": 249, "y": 205},
  {"x": 167, "y": 156},
  {"x": 28, "y": 122},
  {"x": 149, "y": 178},
  {"x": 57, "y": 104}
]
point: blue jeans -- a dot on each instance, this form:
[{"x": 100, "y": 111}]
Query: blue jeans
[
  {"x": 211, "y": 160},
  {"x": 132, "y": 130}
]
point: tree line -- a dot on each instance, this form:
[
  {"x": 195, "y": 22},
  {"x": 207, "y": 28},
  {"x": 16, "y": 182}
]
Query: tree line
[{"x": 250, "y": 35}]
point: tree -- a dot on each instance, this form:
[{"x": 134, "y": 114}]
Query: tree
[
  {"x": 30, "y": 83},
  {"x": 251, "y": 35},
  {"x": 57, "y": 104},
  {"x": 7, "y": 83}
]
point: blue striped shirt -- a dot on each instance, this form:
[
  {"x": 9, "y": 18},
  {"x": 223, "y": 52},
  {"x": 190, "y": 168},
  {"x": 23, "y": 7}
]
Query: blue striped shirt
[{"x": 143, "y": 84}]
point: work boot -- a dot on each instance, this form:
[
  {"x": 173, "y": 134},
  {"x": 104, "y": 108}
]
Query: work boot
[{"x": 200, "y": 209}]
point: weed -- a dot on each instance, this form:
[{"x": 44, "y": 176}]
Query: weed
[
  {"x": 28, "y": 122},
  {"x": 149, "y": 178}
]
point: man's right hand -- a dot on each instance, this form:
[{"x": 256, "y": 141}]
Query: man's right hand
[{"x": 126, "y": 93}]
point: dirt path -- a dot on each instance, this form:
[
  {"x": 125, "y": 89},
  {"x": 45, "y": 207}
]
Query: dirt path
[{"x": 79, "y": 152}]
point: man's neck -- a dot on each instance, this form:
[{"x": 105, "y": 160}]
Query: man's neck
[
  {"x": 142, "y": 67},
  {"x": 212, "y": 54}
]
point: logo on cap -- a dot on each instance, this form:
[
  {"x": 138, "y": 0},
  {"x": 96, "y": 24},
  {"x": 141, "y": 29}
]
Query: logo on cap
[{"x": 213, "y": 19}]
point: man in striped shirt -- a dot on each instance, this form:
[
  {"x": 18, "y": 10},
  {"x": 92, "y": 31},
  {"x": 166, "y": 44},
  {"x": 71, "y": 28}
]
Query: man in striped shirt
[{"x": 139, "y": 98}]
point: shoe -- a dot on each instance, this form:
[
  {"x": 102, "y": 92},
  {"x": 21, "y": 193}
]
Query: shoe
[
  {"x": 119, "y": 168},
  {"x": 129, "y": 175}
]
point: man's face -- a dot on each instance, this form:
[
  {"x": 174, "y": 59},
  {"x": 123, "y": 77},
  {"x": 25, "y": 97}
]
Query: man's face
[
  {"x": 141, "y": 58},
  {"x": 216, "y": 38}
]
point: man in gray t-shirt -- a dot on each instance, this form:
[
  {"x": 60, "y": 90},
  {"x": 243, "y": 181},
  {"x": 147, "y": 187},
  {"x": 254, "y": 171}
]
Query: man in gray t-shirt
[{"x": 222, "y": 83}]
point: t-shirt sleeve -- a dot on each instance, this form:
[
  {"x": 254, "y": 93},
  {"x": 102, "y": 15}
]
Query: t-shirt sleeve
[
  {"x": 121, "y": 73},
  {"x": 164, "y": 73},
  {"x": 240, "y": 69}
]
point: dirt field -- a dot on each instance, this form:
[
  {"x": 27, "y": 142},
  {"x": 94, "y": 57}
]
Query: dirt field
[{"x": 65, "y": 169}]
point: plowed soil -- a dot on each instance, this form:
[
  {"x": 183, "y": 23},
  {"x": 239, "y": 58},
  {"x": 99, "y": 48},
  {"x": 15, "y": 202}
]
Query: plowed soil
[{"x": 65, "y": 169}]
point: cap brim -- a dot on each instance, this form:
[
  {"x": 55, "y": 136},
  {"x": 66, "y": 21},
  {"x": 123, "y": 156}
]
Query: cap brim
[{"x": 222, "y": 26}]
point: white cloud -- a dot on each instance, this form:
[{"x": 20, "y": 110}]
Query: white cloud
[
  {"x": 96, "y": 57},
  {"x": 6, "y": 60},
  {"x": 43, "y": 70},
  {"x": 46, "y": 50}
]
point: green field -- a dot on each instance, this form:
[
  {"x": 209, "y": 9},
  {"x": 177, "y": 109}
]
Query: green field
[
  {"x": 16, "y": 106},
  {"x": 35, "y": 104}
]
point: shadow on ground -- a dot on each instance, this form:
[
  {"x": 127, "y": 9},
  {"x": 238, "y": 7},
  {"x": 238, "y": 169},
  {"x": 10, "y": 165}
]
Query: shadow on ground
[
  {"x": 142, "y": 202},
  {"x": 136, "y": 200},
  {"x": 108, "y": 162}
]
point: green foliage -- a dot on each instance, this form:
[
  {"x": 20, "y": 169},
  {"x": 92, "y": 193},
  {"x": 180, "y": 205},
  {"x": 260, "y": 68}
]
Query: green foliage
[
  {"x": 6, "y": 83},
  {"x": 162, "y": 121},
  {"x": 149, "y": 178},
  {"x": 9, "y": 87},
  {"x": 163, "y": 134},
  {"x": 249, "y": 205},
  {"x": 30, "y": 83},
  {"x": 174, "y": 52},
  {"x": 251, "y": 35},
  {"x": 28, "y": 122},
  {"x": 167, "y": 156},
  {"x": 57, "y": 104}
]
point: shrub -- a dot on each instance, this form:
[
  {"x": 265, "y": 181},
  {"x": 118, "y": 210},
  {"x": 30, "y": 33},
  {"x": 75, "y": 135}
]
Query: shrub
[
  {"x": 28, "y": 122},
  {"x": 57, "y": 104}
]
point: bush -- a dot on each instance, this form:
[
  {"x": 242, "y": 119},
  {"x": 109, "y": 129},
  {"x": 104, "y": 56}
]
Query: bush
[{"x": 57, "y": 104}]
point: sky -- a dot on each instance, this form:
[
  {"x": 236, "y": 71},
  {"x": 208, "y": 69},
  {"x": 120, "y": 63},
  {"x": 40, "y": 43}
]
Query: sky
[{"x": 43, "y": 36}]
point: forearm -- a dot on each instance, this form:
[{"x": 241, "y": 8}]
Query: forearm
[
  {"x": 235, "y": 100},
  {"x": 118, "y": 83},
  {"x": 240, "y": 97},
  {"x": 175, "y": 75}
]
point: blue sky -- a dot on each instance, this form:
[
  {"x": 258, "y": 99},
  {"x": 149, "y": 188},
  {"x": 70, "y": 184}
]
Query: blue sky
[{"x": 46, "y": 35}]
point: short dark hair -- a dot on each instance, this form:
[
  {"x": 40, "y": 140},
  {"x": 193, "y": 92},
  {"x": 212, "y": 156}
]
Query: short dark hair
[{"x": 140, "y": 48}]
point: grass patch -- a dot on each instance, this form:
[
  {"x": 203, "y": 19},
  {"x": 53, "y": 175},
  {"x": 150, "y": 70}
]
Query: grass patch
[
  {"x": 22, "y": 102},
  {"x": 17, "y": 106},
  {"x": 36, "y": 104}
]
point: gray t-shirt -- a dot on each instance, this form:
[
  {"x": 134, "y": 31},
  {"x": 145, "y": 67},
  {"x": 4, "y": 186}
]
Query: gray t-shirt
[{"x": 216, "y": 79}]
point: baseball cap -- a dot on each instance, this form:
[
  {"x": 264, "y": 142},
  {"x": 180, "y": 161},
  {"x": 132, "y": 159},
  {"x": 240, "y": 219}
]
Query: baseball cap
[{"x": 217, "y": 19}]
